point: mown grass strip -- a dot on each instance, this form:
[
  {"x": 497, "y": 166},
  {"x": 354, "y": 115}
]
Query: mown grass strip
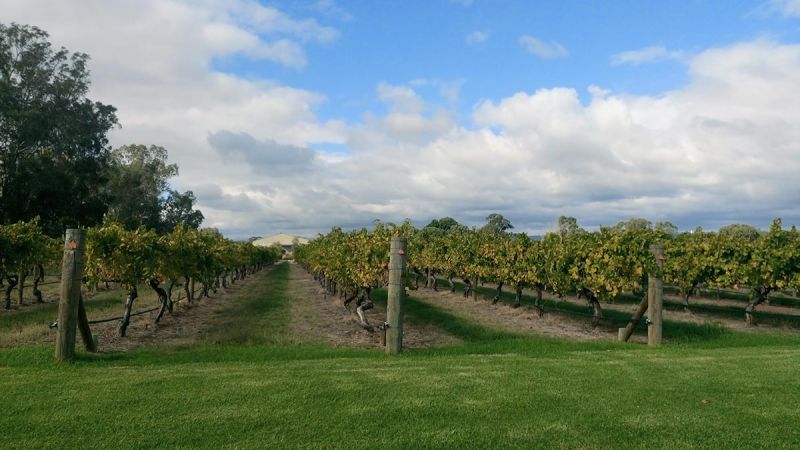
[{"x": 259, "y": 316}]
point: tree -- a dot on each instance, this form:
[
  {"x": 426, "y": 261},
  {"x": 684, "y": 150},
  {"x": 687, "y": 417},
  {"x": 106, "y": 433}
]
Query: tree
[
  {"x": 568, "y": 226},
  {"x": 53, "y": 144},
  {"x": 496, "y": 223},
  {"x": 740, "y": 230},
  {"x": 445, "y": 223},
  {"x": 139, "y": 177},
  {"x": 667, "y": 228},
  {"x": 634, "y": 224},
  {"x": 177, "y": 209}
]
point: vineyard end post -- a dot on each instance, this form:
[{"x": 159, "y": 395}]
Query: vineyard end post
[
  {"x": 71, "y": 275},
  {"x": 397, "y": 285},
  {"x": 656, "y": 298},
  {"x": 89, "y": 341}
]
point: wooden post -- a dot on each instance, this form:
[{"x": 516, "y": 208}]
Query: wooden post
[
  {"x": 71, "y": 274},
  {"x": 89, "y": 341},
  {"x": 394, "y": 304},
  {"x": 655, "y": 298},
  {"x": 475, "y": 287},
  {"x": 625, "y": 333}
]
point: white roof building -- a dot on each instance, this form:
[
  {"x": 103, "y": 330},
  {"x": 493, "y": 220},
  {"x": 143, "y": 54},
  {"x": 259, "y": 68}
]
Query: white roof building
[{"x": 284, "y": 240}]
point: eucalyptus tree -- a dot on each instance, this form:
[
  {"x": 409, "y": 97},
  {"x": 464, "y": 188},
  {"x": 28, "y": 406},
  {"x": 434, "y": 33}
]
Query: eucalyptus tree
[{"x": 53, "y": 139}]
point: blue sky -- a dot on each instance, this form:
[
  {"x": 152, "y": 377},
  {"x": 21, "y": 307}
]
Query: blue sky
[
  {"x": 398, "y": 42},
  {"x": 296, "y": 116}
]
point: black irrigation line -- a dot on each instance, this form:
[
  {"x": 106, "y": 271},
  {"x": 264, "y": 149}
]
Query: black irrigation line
[
  {"x": 111, "y": 319},
  {"x": 40, "y": 284},
  {"x": 138, "y": 313}
]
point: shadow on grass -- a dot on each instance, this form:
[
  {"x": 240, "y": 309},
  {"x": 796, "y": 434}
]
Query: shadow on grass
[
  {"x": 779, "y": 299},
  {"x": 617, "y": 319},
  {"x": 479, "y": 339},
  {"x": 710, "y": 332},
  {"x": 728, "y": 311}
]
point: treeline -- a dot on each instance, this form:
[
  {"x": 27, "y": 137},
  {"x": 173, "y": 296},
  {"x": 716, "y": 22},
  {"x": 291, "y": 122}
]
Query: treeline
[
  {"x": 55, "y": 158},
  {"x": 132, "y": 258},
  {"x": 595, "y": 265},
  {"x": 58, "y": 171}
]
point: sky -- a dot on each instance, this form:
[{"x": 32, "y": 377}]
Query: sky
[{"x": 296, "y": 116}]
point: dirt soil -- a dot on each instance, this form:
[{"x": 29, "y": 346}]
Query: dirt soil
[
  {"x": 185, "y": 325},
  {"x": 697, "y": 318},
  {"x": 317, "y": 317},
  {"x": 524, "y": 320}
]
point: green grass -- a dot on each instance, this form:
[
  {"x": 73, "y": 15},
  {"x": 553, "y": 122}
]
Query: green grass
[
  {"x": 264, "y": 307},
  {"x": 246, "y": 386}
]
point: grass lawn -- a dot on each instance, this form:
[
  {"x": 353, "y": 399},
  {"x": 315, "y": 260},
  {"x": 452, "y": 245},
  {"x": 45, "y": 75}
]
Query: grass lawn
[{"x": 245, "y": 385}]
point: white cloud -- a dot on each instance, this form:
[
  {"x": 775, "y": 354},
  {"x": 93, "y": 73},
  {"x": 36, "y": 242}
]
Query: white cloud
[
  {"x": 723, "y": 148},
  {"x": 282, "y": 51},
  {"x": 543, "y": 49},
  {"x": 400, "y": 97},
  {"x": 646, "y": 55},
  {"x": 331, "y": 9},
  {"x": 449, "y": 90},
  {"x": 789, "y": 8},
  {"x": 477, "y": 37},
  {"x": 270, "y": 20},
  {"x": 152, "y": 60},
  {"x": 262, "y": 156}
]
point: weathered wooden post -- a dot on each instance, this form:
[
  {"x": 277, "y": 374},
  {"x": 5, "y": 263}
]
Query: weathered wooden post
[
  {"x": 89, "y": 341},
  {"x": 397, "y": 291},
  {"x": 655, "y": 296},
  {"x": 625, "y": 333},
  {"x": 71, "y": 274},
  {"x": 475, "y": 287}
]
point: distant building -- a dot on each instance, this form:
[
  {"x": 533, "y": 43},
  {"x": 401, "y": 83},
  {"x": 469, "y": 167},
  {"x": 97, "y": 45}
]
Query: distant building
[{"x": 286, "y": 241}]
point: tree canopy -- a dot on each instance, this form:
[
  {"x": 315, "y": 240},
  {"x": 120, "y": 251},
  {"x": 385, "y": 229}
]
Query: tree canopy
[
  {"x": 445, "y": 223},
  {"x": 53, "y": 139},
  {"x": 496, "y": 223}
]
